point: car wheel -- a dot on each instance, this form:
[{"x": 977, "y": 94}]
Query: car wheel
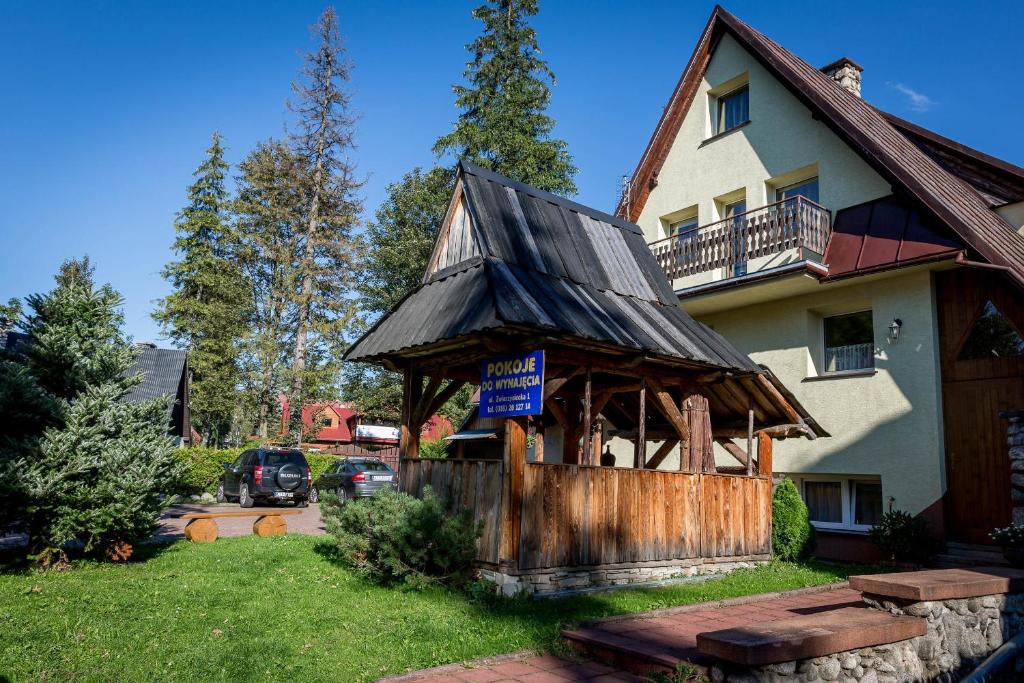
[
  {"x": 244, "y": 499},
  {"x": 221, "y": 496},
  {"x": 342, "y": 495},
  {"x": 314, "y": 495}
]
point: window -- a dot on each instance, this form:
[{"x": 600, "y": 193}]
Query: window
[
  {"x": 733, "y": 109},
  {"x": 993, "y": 336},
  {"x": 824, "y": 501},
  {"x": 805, "y": 188},
  {"x": 867, "y": 503},
  {"x": 839, "y": 502},
  {"x": 849, "y": 342},
  {"x": 683, "y": 227}
]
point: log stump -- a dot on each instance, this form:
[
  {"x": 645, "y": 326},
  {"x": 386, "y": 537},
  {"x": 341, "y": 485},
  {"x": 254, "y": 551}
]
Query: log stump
[
  {"x": 270, "y": 525},
  {"x": 201, "y": 531}
]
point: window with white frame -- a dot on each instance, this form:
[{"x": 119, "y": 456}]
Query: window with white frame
[
  {"x": 849, "y": 342},
  {"x": 733, "y": 109},
  {"x": 840, "y": 502}
]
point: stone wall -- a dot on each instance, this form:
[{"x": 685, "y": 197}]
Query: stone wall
[
  {"x": 570, "y": 579},
  {"x": 960, "y": 634}
]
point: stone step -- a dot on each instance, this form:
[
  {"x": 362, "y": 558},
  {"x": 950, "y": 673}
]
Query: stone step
[
  {"x": 625, "y": 653},
  {"x": 808, "y": 636},
  {"x": 941, "y": 584},
  {"x": 945, "y": 561}
]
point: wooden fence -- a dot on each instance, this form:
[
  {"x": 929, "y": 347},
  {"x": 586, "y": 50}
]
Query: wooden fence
[
  {"x": 474, "y": 485},
  {"x": 576, "y": 515}
]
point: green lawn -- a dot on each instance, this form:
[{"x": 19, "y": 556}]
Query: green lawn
[{"x": 275, "y": 609}]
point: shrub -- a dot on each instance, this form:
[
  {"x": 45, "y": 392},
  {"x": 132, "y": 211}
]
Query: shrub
[
  {"x": 902, "y": 536},
  {"x": 434, "y": 450},
  {"x": 394, "y": 537},
  {"x": 792, "y": 533},
  {"x": 204, "y": 465},
  {"x": 1009, "y": 536}
]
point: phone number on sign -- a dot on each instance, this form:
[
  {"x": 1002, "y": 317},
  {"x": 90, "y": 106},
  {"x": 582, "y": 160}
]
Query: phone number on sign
[{"x": 510, "y": 407}]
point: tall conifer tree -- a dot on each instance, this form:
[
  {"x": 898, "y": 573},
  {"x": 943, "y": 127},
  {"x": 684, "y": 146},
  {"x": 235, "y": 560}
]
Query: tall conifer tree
[
  {"x": 503, "y": 125},
  {"x": 326, "y": 254},
  {"x": 207, "y": 311}
]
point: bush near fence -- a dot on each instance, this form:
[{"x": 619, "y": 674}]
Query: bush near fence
[{"x": 203, "y": 467}]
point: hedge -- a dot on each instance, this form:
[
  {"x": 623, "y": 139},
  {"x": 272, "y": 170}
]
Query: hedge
[{"x": 204, "y": 465}]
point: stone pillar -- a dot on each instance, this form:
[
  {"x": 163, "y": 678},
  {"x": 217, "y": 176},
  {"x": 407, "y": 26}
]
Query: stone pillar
[{"x": 1015, "y": 440}]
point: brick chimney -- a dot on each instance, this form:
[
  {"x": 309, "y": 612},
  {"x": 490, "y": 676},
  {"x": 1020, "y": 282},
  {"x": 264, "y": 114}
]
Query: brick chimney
[{"x": 846, "y": 73}]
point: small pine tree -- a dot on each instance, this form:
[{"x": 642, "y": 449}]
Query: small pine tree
[
  {"x": 100, "y": 478},
  {"x": 792, "y": 533},
  {"x": 98, "y": 472}
]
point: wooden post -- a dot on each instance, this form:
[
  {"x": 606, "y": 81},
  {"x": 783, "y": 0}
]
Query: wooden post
[
  {"x": 412, "y": 390},
  {"x": 571, "y": 431},
  {"x": 514, "y": 466},
  {"x": 640, "y": 453},
  {"x": 538, "y": 439},
  {"x": 588, "y": 440},
  {"x": 764, "y": 454},
  {"x": 750, "y": 441}
]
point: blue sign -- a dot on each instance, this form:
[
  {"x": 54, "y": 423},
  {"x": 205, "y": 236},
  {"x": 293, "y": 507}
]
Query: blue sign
[{"x": 512, "y": 385}]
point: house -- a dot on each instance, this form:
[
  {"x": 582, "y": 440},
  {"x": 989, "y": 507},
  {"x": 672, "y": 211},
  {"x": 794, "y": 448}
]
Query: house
[
  {"x": 340, "y": 423},
  {"x": 164, "y": 373},
  {"x": 875, "y": 266},
  {"x": 562, "y": 316}
]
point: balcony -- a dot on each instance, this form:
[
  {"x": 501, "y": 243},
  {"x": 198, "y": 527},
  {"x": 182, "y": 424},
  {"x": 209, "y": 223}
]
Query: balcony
[{"x": 757, "y": 240}]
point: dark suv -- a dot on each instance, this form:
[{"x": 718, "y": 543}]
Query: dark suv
[
  {"x": 266, "y": 474},
  {"x": 354, "y": 478}
]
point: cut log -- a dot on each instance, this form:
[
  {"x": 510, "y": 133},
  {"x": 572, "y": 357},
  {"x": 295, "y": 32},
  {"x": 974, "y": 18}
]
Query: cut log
[
  {"x": 270, "y": 525},
  {"x": 202, "y": 530}
]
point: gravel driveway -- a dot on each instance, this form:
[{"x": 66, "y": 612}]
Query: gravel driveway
[{"x": 172, "y": 529}]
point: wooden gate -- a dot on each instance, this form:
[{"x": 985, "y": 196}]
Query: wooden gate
[{"x": 975, "y": 387}]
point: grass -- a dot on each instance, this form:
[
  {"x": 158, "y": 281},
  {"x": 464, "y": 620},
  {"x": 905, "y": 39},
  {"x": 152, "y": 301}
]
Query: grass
[{"x": 276, "y": 609}]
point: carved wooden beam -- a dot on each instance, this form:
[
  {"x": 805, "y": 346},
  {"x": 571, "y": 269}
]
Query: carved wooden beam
[
  {"x": 664, "y": 402},
  {"x": 440, "y": 399},
  {"x": 735, "y": 451},
  {"x": 660, "y": 454}
]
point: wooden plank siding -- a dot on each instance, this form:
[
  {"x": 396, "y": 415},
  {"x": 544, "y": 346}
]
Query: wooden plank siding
[
  {"x": 578, "y": 516},
  {"x": 473, "y": 485}
]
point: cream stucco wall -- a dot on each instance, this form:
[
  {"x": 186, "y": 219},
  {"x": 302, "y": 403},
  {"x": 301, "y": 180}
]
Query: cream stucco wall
[
  {"x": 781, "y": 144},
  {"x": 888, "y": 424}
]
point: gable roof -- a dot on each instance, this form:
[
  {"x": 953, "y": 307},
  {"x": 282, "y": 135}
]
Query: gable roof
[
  {"x": 544, "y": 263},
  {"x": 162, "y": 371},
  {"x": 903, "y": 164}
]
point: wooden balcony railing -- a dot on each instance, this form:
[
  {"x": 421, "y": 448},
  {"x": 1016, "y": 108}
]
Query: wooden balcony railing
[{"x": 795, "y": 223}]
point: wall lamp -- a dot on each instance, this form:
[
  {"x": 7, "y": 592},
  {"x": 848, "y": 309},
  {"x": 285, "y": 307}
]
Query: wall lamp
[{"x": 894, "y": 330}]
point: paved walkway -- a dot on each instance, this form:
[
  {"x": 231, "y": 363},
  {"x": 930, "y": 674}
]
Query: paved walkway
[
  {"x": 662, "y": 637},
  {"x": 519, "y": 668},
  {"x": 172, "y": 529},
  {"x": 669, "y": 636}
]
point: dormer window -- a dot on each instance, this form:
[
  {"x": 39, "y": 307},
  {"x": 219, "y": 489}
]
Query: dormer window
[{"x": 733, "y": 109}]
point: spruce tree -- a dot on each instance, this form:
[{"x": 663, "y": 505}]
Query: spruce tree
[
  {"x": 503, "y": 125},
  {"x": 102, "y": 466},
  {"x": 326, "y": 254},
  {"x": 207, "y": 311}
]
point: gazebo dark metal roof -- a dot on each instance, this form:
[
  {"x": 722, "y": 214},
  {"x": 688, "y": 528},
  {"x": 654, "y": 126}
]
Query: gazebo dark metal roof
[{"x": 523, "y": 259}]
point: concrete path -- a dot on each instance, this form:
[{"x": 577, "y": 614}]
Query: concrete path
[{"x": 172, "y": 528}]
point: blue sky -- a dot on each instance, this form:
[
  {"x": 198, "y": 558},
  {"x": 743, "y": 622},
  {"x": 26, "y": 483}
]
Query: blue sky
[{"x": 107, "y": 107}]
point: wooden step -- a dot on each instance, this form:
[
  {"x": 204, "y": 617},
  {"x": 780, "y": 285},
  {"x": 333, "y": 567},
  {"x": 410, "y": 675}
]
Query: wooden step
[{"x": 808, "y": 636}]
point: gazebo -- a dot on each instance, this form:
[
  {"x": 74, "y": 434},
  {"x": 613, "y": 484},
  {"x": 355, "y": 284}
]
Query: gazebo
[{"x": 561, "y": 315}]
